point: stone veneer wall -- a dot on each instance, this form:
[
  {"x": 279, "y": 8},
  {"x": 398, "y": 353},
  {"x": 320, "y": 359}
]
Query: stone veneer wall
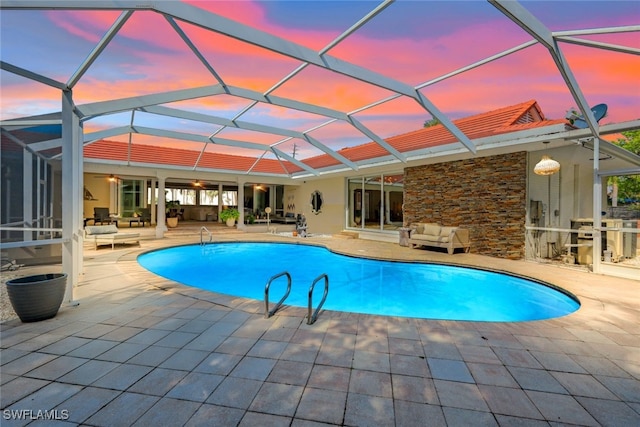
[{"x": 487, "y": 195}]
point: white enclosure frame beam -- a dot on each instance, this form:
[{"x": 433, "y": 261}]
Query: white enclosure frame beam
[
  {"x": 97, "y": 50},
  {"x": 72, "y": 183},
  {"x": 529, "y": 23}
]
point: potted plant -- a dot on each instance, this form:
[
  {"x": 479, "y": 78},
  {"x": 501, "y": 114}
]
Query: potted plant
[
  {"x": 230, "y": 215},
  {"x": 37, "y": 297},
  {"x": 171, "y": 209}
]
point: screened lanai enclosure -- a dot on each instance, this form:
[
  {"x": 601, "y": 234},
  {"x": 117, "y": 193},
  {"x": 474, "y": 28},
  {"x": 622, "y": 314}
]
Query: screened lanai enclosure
[{"x": 268, "y": 102}]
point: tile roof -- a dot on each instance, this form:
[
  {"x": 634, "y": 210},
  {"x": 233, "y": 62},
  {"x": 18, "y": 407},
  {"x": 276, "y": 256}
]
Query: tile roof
[
  {"x": 504, "y": 120},
  {"x": 508, "y": 119},
  {"x": 149, "y": 154}
]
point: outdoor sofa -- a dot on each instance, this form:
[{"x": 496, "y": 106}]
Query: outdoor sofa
[
  {"x": 108, "y": 234},
  {"x": 288, "y": 218},
  {"x": 435, "y": 235}
]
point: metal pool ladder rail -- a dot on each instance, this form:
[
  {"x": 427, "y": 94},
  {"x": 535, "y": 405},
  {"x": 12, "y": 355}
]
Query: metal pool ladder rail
[
  {"x": 268, "y": 313},
  {"x": 311, "y": 318},
  {"x": 202, "y": 242}
]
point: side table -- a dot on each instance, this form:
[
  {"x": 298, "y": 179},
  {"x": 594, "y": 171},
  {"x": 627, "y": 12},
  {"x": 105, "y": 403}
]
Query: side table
[{"x": 403, "y": 233}]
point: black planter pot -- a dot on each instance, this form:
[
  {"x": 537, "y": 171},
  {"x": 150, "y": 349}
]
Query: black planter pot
[{"x": 38, "y": 297}]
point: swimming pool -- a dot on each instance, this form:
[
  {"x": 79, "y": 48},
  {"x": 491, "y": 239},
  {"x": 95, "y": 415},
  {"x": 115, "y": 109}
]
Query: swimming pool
[{"x": 360, "y": 285}]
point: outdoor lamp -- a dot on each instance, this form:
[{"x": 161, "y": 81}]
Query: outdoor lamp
[{"x": 546, "y": 165}]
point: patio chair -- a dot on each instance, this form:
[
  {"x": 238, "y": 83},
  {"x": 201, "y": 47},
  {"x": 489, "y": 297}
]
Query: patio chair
[
  {"x": 145, "y": 215},
  {"x": 101, "y": 215}
]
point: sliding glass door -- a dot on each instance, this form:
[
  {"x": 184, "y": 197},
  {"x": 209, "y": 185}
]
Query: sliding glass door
[{"x": 375, "y": 202}]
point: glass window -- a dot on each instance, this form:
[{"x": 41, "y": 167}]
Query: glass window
[
  {"x": 393, "y": 190},
  {"x": 230, "y": 198},
  {"x": 280, "y": 200},
  {"x": 208, "y": 197},
  {"x": 186, "y": 196},
  {"x": 130, "y": 196}
]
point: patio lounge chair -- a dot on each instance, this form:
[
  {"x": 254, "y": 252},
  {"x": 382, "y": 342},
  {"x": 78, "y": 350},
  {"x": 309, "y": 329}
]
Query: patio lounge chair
[{"x": 101, "y": 215}]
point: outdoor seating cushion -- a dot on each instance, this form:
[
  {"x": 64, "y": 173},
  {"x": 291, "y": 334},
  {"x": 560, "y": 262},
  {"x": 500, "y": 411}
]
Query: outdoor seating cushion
[
  {"x": 109, "y": 234},
  {"x": 433, "y": 234},
  {"x": 100, "y": 229},
  {"x": 431, "y": 238}
]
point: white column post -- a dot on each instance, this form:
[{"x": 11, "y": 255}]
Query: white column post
[
  {"x": 241, "y": 203},
  {"x": 152, "y": 206},
  {"x": 387, "y": 209},
  {"x": 72, "y": 183},
  {"x": 161, "y": 227},
  {"x": 597, "y": 206},
  {"x": 220, "y": 189},
  {"x": 27, "y": 193},
  {"x": 114, "y": 197}
]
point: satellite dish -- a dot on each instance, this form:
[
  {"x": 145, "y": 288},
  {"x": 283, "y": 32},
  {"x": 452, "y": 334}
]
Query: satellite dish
[{"x": 578, "y": 121}]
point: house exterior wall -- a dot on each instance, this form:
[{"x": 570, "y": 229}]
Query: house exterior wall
[
  {"x": 332, "y": 216},
  {"x": 100, "y": 189},
  {"x": 572, "y": 186},
  {"x": 487, "y": 195}
]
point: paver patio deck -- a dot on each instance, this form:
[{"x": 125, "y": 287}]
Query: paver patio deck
[{"x": 142, "y": 350}]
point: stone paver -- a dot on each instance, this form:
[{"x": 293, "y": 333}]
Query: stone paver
[{"x": 142, "y": 350}]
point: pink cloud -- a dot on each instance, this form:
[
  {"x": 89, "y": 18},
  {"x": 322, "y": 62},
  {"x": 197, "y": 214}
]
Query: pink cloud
[
  {"x": 87, "y": 25},
  {"x": 148, "y": 56}
]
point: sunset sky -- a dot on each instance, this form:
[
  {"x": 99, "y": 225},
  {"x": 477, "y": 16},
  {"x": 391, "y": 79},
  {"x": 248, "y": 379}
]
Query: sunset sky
[{"x": 410, "y": 41}]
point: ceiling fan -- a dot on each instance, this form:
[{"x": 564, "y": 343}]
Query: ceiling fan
[
  {"x": 110, "y": 177},
  {"x": 200, "y": 184}
]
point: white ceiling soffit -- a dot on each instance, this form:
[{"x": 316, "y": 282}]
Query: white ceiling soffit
[{"x": 176, "y": 11}]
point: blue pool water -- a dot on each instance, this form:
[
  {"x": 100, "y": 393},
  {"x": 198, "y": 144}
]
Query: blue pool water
[{"x": 359, "y": 285}]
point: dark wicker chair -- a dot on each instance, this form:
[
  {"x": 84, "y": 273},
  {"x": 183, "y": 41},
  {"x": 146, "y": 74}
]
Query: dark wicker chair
[
  {"x": 145, "y": 215},
  {"x": 101, "y": 215}
]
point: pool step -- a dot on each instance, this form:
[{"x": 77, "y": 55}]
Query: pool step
[{"x": 346, "y": 235}]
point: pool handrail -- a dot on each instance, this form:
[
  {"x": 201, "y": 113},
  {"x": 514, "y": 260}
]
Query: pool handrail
[
  {"x": 311, "y": 318},
  {"x": 203, "y": 228},
  {"x": 268, "y": 313}
]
